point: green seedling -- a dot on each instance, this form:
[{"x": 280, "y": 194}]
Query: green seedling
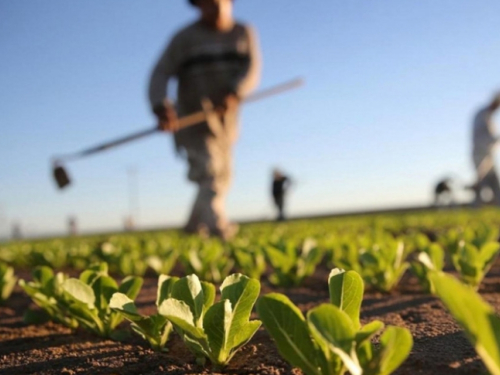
[
  {"x": 382, "y": 266},
  {"x": 163, "y": 264},
  {"x": 292, "y": 264},
  {"x": 47, "y": 292},
  {"x": 431, "y": 258},
  {"x": 473, "y": 263},
  {"x": 477, "y": 318},
  {"x": 207, "y": 260},
  {"x": 90, "y": 295},
  {"x": 7, "y": 281},
  {"x": 250, "y": 261},
  {"x": 213, "y": 330},
  {"x": 330, "y": 339},
  {"x": 155, "y": 328}
]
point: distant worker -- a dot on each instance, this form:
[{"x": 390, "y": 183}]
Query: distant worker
[
  {"x": 17, "y": 233},
  {"x": 217, "y": 61},
  {"x": 443, "y": 193},
  {"x": 281, "y": 183},
  {"x": 72, "y": 226},
  {"x": 128, "y": 223},
  {"x": 484, "y": 143}
]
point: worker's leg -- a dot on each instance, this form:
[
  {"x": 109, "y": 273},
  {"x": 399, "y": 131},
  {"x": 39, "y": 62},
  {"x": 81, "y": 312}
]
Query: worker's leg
[
  {"x": 279, "y": 200},
  {"x": 220, "y": 151},
  {"x": 210, "y": 168},
  {"x": 197, "y": 156},
  {"x": 491, "y": 180}
]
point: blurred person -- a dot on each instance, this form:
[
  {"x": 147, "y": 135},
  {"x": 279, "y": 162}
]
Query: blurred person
[
  {"x": 128, "y": 223},
  {"x": 281, "y": 183},
  {"x": 17, "y": 233},
  {"x": 215, "y": 60},
  {"x": 443, "y": 193},
  {"x": 484, "y": 143},
  {"x": 72, "y": 226}
]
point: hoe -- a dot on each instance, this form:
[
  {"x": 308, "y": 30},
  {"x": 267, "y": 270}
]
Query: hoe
[{"x": 62, "y": 178}]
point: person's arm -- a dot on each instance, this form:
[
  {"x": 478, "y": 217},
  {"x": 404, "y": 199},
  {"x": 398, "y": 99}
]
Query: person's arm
[
  {"x": 164, "y": 70},
  {"x": 251, "y": 76}
]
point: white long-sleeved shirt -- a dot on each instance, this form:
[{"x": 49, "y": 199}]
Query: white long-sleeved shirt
[{"x": 484, "y": 135}]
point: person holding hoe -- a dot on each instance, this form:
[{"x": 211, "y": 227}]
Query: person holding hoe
[
  {"x": 485, "y": 141},
  {"x": 216, "y": 62}
]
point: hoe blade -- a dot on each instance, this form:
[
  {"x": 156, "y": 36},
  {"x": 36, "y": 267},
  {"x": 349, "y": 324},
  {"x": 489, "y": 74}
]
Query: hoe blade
[{"x": 61, "y": 177}]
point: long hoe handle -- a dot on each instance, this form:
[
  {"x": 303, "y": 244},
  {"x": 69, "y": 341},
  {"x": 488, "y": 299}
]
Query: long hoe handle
[{"x": 184, "y": 122}]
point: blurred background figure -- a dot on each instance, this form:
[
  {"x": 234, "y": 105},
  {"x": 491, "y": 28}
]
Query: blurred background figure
[
  {"x": 281, "y": 183},
  {"x": 128, "y": 223},
  {"x": 443, "y": 193},
  {"x": 216, "y": 61},
  {"x": 17, "y": 233},
  {"x": 484, "y": 143},
  {"x": 72, "y": 226}
]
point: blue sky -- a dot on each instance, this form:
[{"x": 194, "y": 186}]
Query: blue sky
[{"x": 391, "y": 89}]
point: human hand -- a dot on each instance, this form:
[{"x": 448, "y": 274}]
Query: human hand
[
  {"x": 167, "y": 117},
  {"x": 231, "y": 102}
]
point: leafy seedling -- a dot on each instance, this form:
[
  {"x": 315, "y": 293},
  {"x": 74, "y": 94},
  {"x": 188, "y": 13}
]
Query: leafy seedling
[
  {"x": 214, "y": 331},
  {"x": 89, "y": 298},
  {"x": 46, "y": 290},
  {"x": 155, "y": 328},
  {"x": 431, "y": 258},
  {"x": 331, "y": 340},
  {"x": 7, "y": 281},
  {"x": 477, "y": 318},
  {"x": 473, "y": 263}
]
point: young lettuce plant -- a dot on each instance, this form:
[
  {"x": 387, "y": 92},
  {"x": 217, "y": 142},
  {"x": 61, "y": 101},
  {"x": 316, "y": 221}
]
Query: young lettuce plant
[
  {"x": 208, "y": 260},
  {"x": 7, "y": 281},
  {"x": 213, "y": 331},
  {"x": 382, "y": 266},
  {"x": 155, "y": 328},
  {"x": 163, "y": 264},
  {"x": 250, "y": 261},
  {"x": 346, "y": 256},
  {"x": 477, "y": 318},
  {"x": 431, "y": 258},
  {"x": 47, "y": 293},
  {"x": 291, "y": 265},
  {"x": 473, "y": 263},
  {"x": 89, "y": 298},
  {"x": 331, "y": 340}
]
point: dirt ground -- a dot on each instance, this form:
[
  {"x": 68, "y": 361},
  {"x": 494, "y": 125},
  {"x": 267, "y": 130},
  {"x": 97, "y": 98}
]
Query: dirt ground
[{"x": 439, "y": 348}]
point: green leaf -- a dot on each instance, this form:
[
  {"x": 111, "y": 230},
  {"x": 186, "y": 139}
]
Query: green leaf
[
  {"x": 395, "y": 346},
  {"x": 287, "y": 326},
  {"x": 217, "y": 324},
  {"x": 436, "y": 254},
  {"x": 477, "y": 318},
  {"x": 246, "y": 333},
  {"x": 131, "y": 286},
  {"x": 208, "y": 295},
  {"x": 104, "y": 287},
  {"x": 334, "y": 331},
  {"x": 189, "y": 290},
  {"x": 179, "y": 313},
  {"x": 125, "y": 306},
  {"x": 346, "y": 292},
  {"x": 242, "y": 292},
  {"x": 368, "y": 331},
  {"x": 488, "y": 253},
  {"x": 43, "y": 275},
  {"x": 80, "y": 292},
  {"x": 165, "y": 285}
]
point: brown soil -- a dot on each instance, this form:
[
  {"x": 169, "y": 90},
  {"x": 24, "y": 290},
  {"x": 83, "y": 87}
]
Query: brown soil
[{"x": 440, "y": 347}]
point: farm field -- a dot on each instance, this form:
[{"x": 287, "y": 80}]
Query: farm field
[{"x": 312, "y": 248}]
